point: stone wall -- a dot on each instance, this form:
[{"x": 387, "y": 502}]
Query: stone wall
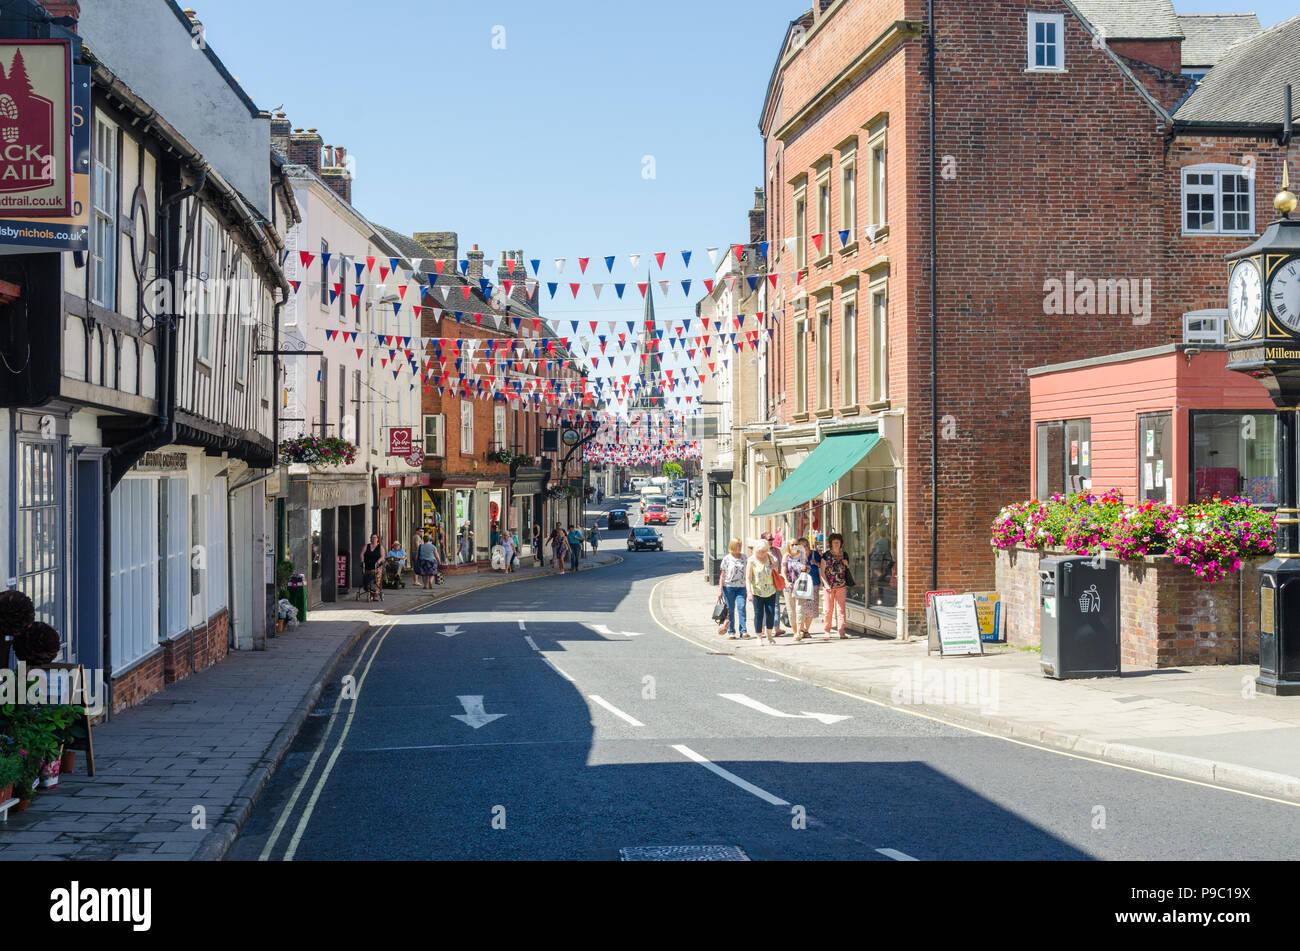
[{"x": 1168, "y": 616}]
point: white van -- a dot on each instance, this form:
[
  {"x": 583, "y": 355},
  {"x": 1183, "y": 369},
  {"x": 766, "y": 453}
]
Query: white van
[{"x": 638, "y": 482}]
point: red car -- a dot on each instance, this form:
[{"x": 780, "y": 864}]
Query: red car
[{"x": 656, "y": 513}]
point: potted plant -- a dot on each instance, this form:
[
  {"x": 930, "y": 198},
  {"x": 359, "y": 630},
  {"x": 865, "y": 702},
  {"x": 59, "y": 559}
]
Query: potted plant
[{"x": 11, "y": 769}]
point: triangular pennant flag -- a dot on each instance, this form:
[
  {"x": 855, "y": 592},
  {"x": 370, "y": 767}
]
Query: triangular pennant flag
[
  {"x": 551, "y": 286},
  {"x": 708, "y": 284},
  {"x": 817, "y": 241},
  {"x": 686, "y": 258},
  {"x": 559, "y": 265},
  {"x": 686, "y": 288},
  {"x": 762, "y": 249},
  {"x": 659, "y": 258},
  {"x": 635, "y": 260},
  {"x": 537, "y": 265},
  {"x": 609, "y": 263},
  {"x": 618, "y": 288},
  {"x": 370, "y": 264},
  {"x": 713, "y": 255},
  {"x": 844, "y": 238},
  {"x": 642, "y": 286},
  {"x": 574, "y": 288},
  {"x": 295, "y": 285},
  {"x": 596, "y": 289},
  {"x": 306, "y": 257},
  {"x": 582, "y": 264}
]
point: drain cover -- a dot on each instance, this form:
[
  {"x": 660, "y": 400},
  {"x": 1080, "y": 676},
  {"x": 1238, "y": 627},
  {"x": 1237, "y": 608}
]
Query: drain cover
[{"x": 683, "y": 853}]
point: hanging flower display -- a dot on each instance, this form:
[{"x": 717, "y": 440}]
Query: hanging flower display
[{"x": 319, "y": 451}]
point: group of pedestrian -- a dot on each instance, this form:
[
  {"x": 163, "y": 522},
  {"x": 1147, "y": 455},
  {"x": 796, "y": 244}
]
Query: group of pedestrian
[
  {"x": 566, "y": 545},
  {"x": 800, "y": 573},
  {"x": 382, "y": 568}
]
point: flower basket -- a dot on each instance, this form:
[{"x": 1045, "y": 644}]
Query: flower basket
[{"x": 319, "y": 451}]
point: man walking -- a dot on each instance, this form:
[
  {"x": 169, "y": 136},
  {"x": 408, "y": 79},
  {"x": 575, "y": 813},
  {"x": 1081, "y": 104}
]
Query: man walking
[{"x": 575, "y": 545}]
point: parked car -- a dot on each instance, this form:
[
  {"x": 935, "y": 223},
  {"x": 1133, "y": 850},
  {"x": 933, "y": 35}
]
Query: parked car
[
  {"x": 616, "y": 518},
  {"x": 656, "y": 513},
  {"x": 641, "y": 537}
]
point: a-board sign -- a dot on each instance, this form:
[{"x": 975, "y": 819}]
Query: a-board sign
[
  {"x": 932, "y": 632},
  {"x": 958, "y": 624},
  {"x": 988, "y": 607}
]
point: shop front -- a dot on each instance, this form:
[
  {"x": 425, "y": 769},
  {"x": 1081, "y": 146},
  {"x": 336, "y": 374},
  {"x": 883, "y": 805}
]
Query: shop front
[
  {"x": 719, "y": 520},
  {"x": 848, "y": 485},
  {"x": 328, "y": 529},
  {"x": 528, "y": 495},
  {"x": 403, "y": 504}
]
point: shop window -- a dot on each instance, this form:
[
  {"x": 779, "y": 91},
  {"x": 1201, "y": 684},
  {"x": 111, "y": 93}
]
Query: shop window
[
  {"x": 39, "y": 529},
  {"x": 868, "y": 520},
  {"x": 1064, "y": 457},
  {"x": 1235, "y": 454},
  {"x": 1155, "y": 456},
  {"x": 133, "y": 571}
]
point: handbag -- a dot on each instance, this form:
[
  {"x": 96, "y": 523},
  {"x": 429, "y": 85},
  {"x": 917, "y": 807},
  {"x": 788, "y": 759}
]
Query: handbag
[
  {"x": 720, "y": 610},
  {"x": 785, "y": 618},
  {"x": 778, "y": 578}
]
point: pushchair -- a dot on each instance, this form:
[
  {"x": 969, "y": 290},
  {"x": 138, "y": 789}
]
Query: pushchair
[
  {"x": 393, "y": 573},
  {"x": 370, "y": 587}
]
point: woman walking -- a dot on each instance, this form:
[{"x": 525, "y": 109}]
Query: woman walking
[
  {"x": 508, "y": 551},
  {"x": 731, "y": 588},
  {"x": 371, "y": 556},
  {"x": 794, "y": 566},
  {"x": 836, "y": 580},
  {"x": 560, "y": 547},
  {"x": 814, "y": 559},
  {"x": 426, "y": 562},
  {"x": 760, "y": 583}
]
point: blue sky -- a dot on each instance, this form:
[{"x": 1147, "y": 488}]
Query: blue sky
[{"x": 540, "y": 145}]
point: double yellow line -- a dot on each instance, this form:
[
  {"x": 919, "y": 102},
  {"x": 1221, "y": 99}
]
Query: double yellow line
[{"x": 376, "y": 641}]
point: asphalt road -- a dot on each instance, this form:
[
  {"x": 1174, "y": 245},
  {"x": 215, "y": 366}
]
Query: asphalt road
[{"x": 556, "y": 719}]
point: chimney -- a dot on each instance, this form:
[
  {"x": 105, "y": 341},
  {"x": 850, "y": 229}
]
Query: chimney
[
  {"x": 475, "y": 264},
  {"x": 280, "y": 133},
  {"x": 441, "y": 245},
  {"x": 757, "y": 218},
  {"x": 305, "y": 148},
  {"x": 503, "y": 273},
  {"x": 335, "y": 174},
  {"x": 70, "y": 9}
]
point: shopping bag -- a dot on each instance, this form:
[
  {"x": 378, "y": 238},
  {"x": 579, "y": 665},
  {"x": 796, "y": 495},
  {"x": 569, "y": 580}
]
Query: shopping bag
[
  {"x": 720, "y": 610},
  {"x": 803, "y": 587}
]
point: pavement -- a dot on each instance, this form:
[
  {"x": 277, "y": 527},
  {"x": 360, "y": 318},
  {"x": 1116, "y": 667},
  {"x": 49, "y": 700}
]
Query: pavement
[
  {"x": 1204, "y": 723},
  {"x": 177, "y": 776}
]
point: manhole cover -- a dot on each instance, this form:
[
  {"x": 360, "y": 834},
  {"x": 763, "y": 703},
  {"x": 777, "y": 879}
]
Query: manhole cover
[{"x": 683, "y": 853}]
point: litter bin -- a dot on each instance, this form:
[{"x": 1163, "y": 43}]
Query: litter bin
[
  {"x": 1079, "y": 614},
  {"x": 298, "y": 598}
]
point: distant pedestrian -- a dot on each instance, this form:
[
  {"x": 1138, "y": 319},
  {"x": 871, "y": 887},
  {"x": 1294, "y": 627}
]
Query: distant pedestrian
[
  {"x": 760, "y": 583},
  {"x": 731, "y": 588},
  {"x": 836, "y": 579},
  {"x": 796, "y": 608},
  {"x": 575, "y": 545},
  {"x": 559, "y": 548},
  {"x": 593, "y": 538},
  {"x": 508, "y": 551},
  {"x": 537, "y": 544},
  {"x": 371, "y": 556},
  {"x": 814, "y": 559},
  {"x": 426, "y": 562}
]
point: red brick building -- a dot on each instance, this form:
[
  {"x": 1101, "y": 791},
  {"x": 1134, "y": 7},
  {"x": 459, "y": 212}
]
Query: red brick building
[
  {"x": 487, "y": 392},
  {"x": 1049, "y": 222}
]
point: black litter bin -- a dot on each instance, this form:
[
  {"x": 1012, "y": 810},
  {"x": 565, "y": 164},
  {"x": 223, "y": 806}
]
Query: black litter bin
[{"x": 1079, "y": 612}]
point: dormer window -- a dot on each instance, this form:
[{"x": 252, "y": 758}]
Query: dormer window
[{"x": 1046, "y": 43}]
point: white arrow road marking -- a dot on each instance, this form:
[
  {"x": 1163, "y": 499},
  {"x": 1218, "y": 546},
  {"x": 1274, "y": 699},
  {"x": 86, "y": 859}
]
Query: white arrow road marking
[
  {"x": 762, "y": 794},
  {"x": 474, "y": 715},
  {"x": 450, "y": 630},
  {"x": 616, "y": 711},
  {"x": 753, "y": 704},
  {"x": 897, "y": 856},
  {"x": 602, "y": 629}
]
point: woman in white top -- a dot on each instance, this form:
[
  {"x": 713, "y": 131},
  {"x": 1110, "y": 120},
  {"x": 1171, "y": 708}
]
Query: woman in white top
[{"x": 731, "y": 587}]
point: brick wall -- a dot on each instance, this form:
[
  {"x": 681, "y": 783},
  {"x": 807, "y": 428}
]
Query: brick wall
[
  {"x": 1168, "y": 616},
  {"x": 210, "y": 643}
]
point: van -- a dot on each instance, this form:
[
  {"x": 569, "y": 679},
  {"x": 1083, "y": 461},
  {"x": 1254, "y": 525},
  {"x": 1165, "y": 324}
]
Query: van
[{"x": 638, "y": 482}]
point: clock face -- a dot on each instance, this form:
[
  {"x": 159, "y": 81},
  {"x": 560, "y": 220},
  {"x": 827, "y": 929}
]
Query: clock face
[
  {"x": 1245, "y": 299},
  {"x": 1284, "y": 294}
]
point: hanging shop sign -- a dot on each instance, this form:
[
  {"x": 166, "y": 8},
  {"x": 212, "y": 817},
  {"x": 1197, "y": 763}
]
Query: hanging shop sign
[
  {"x": 44, "y": 146},
  {"x": 399, "y": 441}
]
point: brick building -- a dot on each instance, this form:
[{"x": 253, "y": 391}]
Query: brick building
[
  {"x": 481, "y": 399},
  {"x": 1051, "y": 212}
]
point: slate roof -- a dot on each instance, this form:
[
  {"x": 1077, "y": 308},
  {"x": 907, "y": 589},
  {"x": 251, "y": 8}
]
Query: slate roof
[
  {"x": 1246, "y": 86},
  {"x": 1210, "y": 34},
  {"x": 1132, "y": 19}
]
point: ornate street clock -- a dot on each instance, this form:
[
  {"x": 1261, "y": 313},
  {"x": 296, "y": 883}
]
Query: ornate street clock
[{"x": 1264, "y": 337}]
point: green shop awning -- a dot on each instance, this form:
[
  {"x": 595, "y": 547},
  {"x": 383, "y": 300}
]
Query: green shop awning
[{"x": 825, "y": 466}]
